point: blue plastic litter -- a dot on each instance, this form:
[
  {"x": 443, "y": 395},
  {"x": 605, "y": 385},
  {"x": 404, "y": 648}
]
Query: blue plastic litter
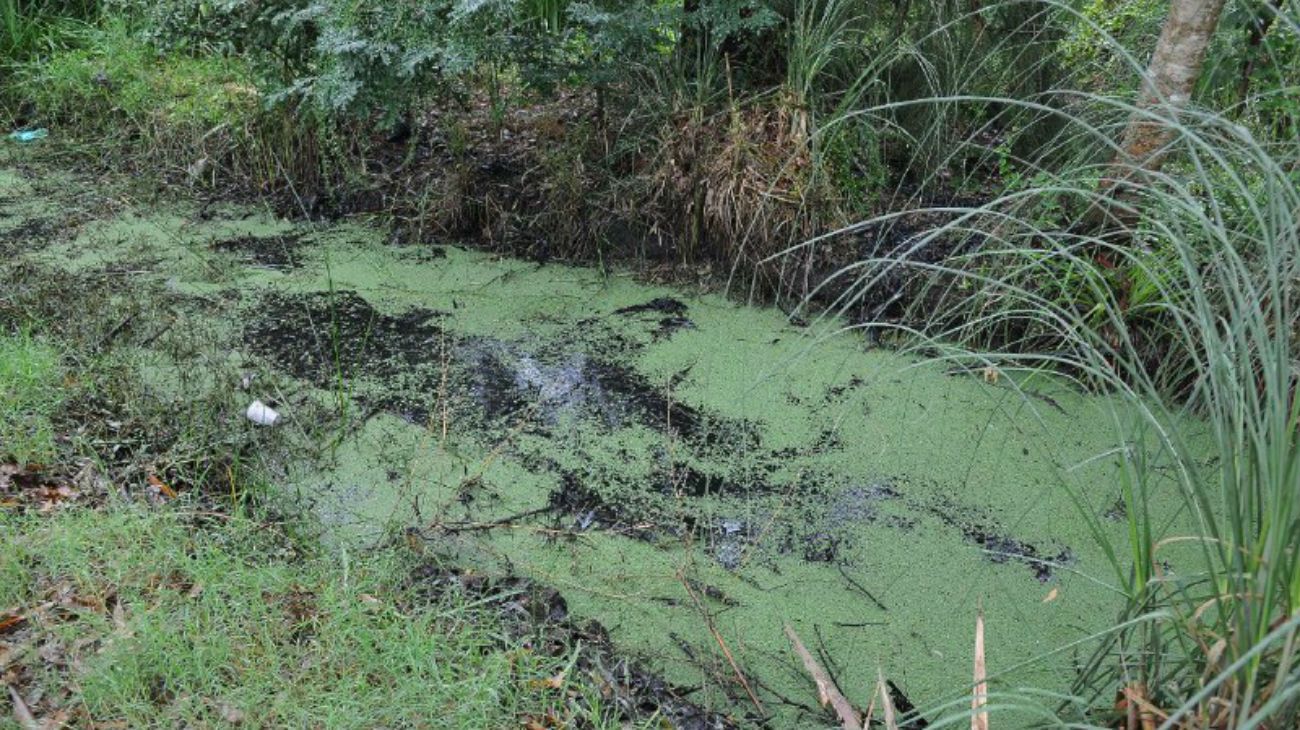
[{"x": 24, "y": 136}]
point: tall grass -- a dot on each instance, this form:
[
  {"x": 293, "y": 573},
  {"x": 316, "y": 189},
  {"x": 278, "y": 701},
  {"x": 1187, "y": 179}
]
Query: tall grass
[
  {"x": 824, "y": 40},
  {"x": 1185, "y": 310},
  {"x": 32, "y": 26}
]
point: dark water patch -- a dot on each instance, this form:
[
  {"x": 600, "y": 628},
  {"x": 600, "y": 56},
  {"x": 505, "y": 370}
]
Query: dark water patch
[
  {"x": 821, "y": 547},
  {"x": 576, "y": 504},
  {"x": 273, "y": 252},
  {"x": 1000, "y": 546},
  {"x": 322, "y": 336},
  {"x": 673, "y": 317},
  {"x": 670, "y": 325},
  {"x": 585, "y": 509},
  {"x": 683, "y": 479},
  {"x": 837, "y": 392},
  {"x": 660, "y": 305},
  {"x": 30, "y": 233},
  {"x": 507, "y": 382},
  {"x": 834, "y": 516},
  {"x": 861, "y": 504},
  {"x": 490, "y": 379},
  {"x": 653, "y": 405},
  {"x": 731, "y": 539},
  {"x": 416, "y": 409},
  {"x": 657, "y": 408}
]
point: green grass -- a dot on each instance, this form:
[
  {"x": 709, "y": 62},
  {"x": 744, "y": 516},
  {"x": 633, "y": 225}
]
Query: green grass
[
  {"x": 29, "y": 394},
  {"x": 30, "y": 27},
  {"x": 148, "y": 619},
  {"x": 110, "y": 76}
]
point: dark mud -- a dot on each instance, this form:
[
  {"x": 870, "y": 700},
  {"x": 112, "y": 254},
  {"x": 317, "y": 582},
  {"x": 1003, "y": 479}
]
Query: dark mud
[
  {"x": 281, "y": 253},
  {"x": 30, "y": 233},
  {"x": 539, "y": 616},
  {"x": 327, "y": 338}
]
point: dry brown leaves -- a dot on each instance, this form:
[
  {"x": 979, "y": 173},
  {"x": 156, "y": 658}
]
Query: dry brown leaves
[
  {"x": 1138, "y": 711},
  {"x": 31, "y": 647},
  {"x": 32, "y": 487}
]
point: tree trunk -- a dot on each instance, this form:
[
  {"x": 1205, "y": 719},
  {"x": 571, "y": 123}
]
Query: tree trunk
[{"x": 1166, "y": 88}]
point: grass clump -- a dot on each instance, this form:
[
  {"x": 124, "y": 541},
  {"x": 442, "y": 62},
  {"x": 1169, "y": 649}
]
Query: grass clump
[
  {"x": 112, "y": 75},
  {"x": 29, "y": 395},
  {"x": 153, "y": 619},
  {"x": 32, "y": 26},
  {"x": 202, "y": 118}
]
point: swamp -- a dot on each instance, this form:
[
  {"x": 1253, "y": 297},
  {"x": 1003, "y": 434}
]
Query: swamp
[{"x": 550, "y": 365}]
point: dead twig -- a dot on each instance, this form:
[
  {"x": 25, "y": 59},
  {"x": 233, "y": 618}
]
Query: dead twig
[
  {"x": 860, "y": 588},
  {"x": 726, "y": 652},
  {"x": 491, "y": 524}
]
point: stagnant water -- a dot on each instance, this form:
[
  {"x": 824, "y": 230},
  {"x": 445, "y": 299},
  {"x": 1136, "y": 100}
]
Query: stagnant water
[{"x": 687, "y": 471}]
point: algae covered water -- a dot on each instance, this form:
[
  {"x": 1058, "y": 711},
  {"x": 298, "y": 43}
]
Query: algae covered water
[{"x": 690, "y": 473}]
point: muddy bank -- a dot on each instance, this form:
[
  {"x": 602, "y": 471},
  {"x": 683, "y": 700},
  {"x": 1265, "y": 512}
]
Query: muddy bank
[{"x": 690, "y": 473}]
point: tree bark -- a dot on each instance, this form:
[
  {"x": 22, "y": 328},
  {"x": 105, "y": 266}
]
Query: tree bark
[{"x": 1167, "y": 87}]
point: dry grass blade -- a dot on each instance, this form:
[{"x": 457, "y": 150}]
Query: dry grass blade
[
  {"x": 827, "y": 692},
  {"x": 22, "y": 715},
  {"x": 886, "y": 704},
  {"x": 979, "y": 719}
]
